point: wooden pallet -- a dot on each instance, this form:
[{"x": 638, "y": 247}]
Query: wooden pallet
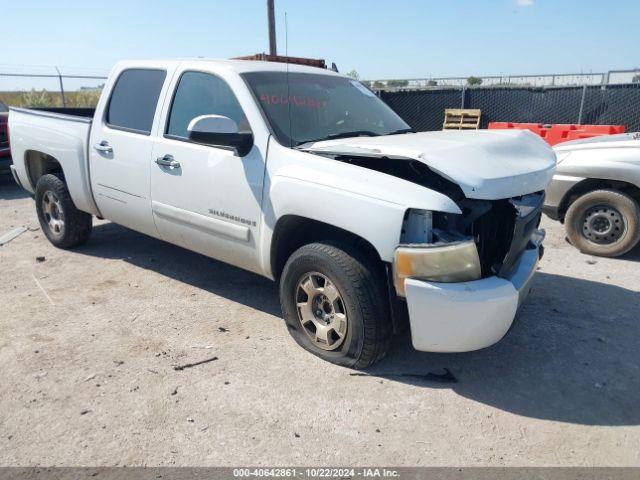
[{"x": 461, "y": 119}]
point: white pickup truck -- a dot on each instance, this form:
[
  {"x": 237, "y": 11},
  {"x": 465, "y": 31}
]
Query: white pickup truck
[{"x": 306, "y": 177}]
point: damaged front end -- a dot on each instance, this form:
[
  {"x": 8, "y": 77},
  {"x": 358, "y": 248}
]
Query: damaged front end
[
  {"x": 485, "y": 240},
  {"x": 460, "y": 274}
]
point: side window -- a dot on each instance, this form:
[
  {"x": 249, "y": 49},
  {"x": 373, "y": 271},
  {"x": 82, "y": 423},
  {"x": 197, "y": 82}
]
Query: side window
[
  {"x": 202, "y": 94},
  {"x": 134, "y": 99}
]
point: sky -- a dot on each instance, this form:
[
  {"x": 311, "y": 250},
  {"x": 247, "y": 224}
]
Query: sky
[{"x": 379, "y": 39}]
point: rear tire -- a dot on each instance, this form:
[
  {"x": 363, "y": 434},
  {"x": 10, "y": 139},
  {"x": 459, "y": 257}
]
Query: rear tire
[
  {"x": 604, "y": 223},
  {"x": 64, "y": 225},
  {"x": 347, "y": 299}
]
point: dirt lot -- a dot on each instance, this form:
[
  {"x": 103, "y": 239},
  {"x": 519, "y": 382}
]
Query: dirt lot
[{"x": 89, "y": 340}]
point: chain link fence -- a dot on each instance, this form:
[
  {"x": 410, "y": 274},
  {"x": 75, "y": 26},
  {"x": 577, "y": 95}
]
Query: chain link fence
[
  {"x": 31, "y": 86},
  {"x": 611, "y": 77},
  {"x": 617, "y": 104},
  {"x": 602, "y": 99}
]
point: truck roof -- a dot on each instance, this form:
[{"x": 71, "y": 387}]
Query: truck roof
[{"x": 239, "y": 66}]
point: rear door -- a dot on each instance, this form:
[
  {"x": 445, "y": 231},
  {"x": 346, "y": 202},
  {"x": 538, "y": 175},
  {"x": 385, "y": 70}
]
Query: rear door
[{"x": 120, "y": 147}]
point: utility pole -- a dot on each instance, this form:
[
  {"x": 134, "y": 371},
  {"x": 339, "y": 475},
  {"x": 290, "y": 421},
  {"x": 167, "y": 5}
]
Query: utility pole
[{"x": 272, "y": 28}]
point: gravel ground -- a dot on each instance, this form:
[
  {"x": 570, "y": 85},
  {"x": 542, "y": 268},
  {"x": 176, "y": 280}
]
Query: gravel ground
[{"x": 89, "y": 342}]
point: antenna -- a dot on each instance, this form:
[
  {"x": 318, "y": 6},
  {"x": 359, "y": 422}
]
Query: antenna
[{"x": 286, "y": 52}]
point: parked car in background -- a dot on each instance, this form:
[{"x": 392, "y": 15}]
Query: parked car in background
[
  {"x": 304, "y": 176},
  {"x": 596, "y": 193},
  {"x": 5, "y": 152}
]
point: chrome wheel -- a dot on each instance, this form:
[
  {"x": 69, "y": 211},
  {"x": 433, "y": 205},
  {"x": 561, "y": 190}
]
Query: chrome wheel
[
  {"x": 603, "y": 224},
  {"x": 53, "y": 213},
  {"x": 321, "y": 311}
]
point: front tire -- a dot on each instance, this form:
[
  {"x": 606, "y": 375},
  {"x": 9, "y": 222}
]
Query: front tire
[
  {"x": 335, "y": 304},
  {"x": 604, "y": 223},
  {"x": 64, "y": 225}
]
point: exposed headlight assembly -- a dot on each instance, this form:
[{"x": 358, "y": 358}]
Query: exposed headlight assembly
[
  {"x": 447, "y": 263},
  {"x": 431, "y": 254}
]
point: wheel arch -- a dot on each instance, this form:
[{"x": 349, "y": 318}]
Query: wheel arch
[
  {"x": 38, "y": 164},
  {"x": 292, "y": 232},
  {"x": 591, "y": 184}
]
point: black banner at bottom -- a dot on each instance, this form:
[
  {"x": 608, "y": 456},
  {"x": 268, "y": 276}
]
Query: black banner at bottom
[{"x": 232, "y": 473}]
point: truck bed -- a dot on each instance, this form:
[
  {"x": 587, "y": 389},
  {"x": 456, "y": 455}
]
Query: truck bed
[
  {"x": 61, "y": 133},
  {"x": 73, "y": 111}
]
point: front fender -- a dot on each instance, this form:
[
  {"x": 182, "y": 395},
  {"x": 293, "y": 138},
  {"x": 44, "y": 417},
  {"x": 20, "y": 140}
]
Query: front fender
[
  {"x": 364, "y": 208},
  {"x": 622, "y": 164}
]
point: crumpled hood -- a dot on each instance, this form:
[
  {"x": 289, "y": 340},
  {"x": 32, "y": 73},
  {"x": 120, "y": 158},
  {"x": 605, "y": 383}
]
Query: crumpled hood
[{"x": 487, "y": 165}]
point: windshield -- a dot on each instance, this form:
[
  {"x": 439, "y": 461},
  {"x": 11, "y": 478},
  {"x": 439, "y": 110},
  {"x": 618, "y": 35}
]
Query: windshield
[
  {"x": 322, "y": 107},
  {"x": 3, "y": 107}
]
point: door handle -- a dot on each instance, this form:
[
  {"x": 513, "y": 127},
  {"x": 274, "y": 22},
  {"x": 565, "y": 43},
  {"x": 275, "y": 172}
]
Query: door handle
[
  {"x": 103, "y": 147},
  {"x": 168, "y": 161}
]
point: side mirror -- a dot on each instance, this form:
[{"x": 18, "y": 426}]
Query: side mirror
[{"x": 221, "y": 131}]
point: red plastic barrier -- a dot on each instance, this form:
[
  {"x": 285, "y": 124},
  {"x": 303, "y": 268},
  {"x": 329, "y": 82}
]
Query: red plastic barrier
[{"x": 558, "y": 132}]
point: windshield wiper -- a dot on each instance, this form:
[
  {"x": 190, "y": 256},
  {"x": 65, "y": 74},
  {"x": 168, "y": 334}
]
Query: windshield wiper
[
  {"x": 335, "y": 136},
  {"x": 402, "y": 130}
]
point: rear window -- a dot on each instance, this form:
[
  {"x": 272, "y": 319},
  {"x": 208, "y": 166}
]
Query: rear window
[{"x": 134, "y": 99}]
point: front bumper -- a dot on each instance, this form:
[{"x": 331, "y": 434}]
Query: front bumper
[{"x": 466, "y": 316}]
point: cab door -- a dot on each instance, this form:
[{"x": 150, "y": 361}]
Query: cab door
[
  {"x": 120, "y": 147},
  {"x": 207, "y": 198}
]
